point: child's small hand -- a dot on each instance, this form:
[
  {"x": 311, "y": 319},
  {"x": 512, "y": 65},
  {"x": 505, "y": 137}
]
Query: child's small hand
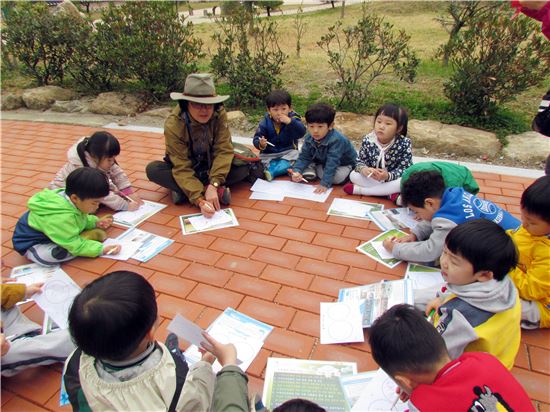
[
  {"x": 33, "y": 288},
  {"x": 406, "y": 239},
  {"x": 135, "y": 197},
  {"x": 263, "y": 143},
  {"x": 132, "y": 206},
  {"x": 226, "y": 353},
  {"x": 433, "y": 305},
  {"x": 207, "y": 356},
  {"x": 112, "y": 249},
  {"x": 367, "y": 171},
  {"x": 297, "y": 177},
  {"x": 104, "y": 222},
  {"x": 283, "y": 118},
  {"x": 320, "y": 189},
  {"x": 380, "y": 174},
  {"x": 389, "y": 243},
  {"x": 403, "y": 396}
]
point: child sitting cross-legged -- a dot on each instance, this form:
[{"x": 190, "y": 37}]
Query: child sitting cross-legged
[
  {"x": 59, "y": 224},
  {"x": 118, "y": 365},
  {"x": 440, "y": 209},
  {"x": 411, "y": 351},
  {"x": 532, "y": 274},
  {"x": 478, "y": 307},
  {"x": 326, "y": 154},
  {"x": 278, "y": 134}
]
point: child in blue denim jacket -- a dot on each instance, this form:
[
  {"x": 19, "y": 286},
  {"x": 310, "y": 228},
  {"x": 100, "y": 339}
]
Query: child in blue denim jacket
[
  {"x": 326, "y": 153},
  {"x": 277, "y": 134}
]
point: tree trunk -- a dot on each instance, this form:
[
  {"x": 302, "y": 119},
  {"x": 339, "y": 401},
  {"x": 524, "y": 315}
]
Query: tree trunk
[{"x": 342, "y": 11}]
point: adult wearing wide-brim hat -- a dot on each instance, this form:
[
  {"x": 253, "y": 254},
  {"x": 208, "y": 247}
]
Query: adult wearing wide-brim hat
[{"x": 199, "y": 153}]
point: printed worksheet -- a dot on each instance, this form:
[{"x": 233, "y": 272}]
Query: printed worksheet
[
  {"x": 150, "y": 244},
  {"x": 197, "y": 223},
  {"x": 423, "y": 276},
  {"x": 397, "y": 218},
  {"x": 57, "y": 297},
  {"x": 32, "y": 273},
  {"x": 291, "y": 189},
  {"x": 145, "y": 211},
  {"x": 127, "y": 248},
  {"x": 379, "y": 395},
  {"x": 247, "y": 334},
  {"x": 354, "y": 385},
  {"x": 341, "y": 322},
  {"x": 354, "y": 209},
  {"x": 374, "y": 249}
]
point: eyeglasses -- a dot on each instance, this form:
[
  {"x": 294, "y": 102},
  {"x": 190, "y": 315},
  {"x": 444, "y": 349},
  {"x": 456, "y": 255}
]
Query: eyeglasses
[{"x": 200, "y": 106}]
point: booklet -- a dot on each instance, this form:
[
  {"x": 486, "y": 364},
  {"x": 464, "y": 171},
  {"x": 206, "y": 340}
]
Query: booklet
[
  {"x": 379, "y": 395},
  {"x": 290, "y": 189},
  {"x": 423, "y": 276},
  {"x": 355, "y": 384},
  {"x": 134, "y": 218},
  {"x": 57, "y": 297},
  {"x": 378, "y": 297},
  {"x": 397, "y": 218},
  {"x": 375, "y": 250},
  {"x": 247, "y": 334},
  {"x": 196, "y": 222},
  {"x": 341, "y": 322},
  {"x": 317, "y": 381},
  {"x": 150, "y": 244},
  {"x": 353, "y": 209}
]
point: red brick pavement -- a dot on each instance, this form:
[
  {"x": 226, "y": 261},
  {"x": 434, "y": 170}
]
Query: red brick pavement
[{"x": 283, "y": 259}]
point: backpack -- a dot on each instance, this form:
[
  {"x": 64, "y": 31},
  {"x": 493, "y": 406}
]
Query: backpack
[{"x": 244, "y": 156}]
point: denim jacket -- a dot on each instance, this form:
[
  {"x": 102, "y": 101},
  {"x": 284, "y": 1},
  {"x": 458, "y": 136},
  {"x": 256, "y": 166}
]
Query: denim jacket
[{"x": 331, "y": 152}]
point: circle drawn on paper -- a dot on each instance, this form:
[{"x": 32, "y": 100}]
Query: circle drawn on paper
[
  {"x": 338, "y": 312},
  {"x": 56, "y": 292},
  {"x": 340, "y": 330},
  {"x": 379, "y": 405}
]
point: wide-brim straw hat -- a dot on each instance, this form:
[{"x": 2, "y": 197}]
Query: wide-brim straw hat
[{"x": 199, "y": 88}]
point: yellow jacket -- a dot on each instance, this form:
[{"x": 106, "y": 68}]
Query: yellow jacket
[
  {"x": 12, "y": 293},
  {"x": 532, "y": 275}
]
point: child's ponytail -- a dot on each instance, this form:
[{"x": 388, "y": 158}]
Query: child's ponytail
[{"x": 81, "y": 151}]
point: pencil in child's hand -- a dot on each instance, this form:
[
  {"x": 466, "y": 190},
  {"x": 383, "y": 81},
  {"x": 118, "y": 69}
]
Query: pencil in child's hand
[
  {"x": 431, "y": 315},
  {"x": 269, "y": 143},
  {"x": 394, "y": 403},
  {"x": 110, "y": 252}
]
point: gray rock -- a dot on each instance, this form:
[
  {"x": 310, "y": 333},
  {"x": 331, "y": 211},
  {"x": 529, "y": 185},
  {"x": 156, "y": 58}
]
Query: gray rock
[
  {"x": 69, "y": 106},
  {"x": 463, "y": 141},
  {"x": 118, "y": 104},
  {"x": 12, "y": 101},
  {"x": 68, "y": 8},
  {"x": 237, "y": 121},
  {"x": 160, "y": 112},
  {"x": 528, "y": 147},
  {"x": 354, "y": 126},
  {"x": 41, "y": 98}
]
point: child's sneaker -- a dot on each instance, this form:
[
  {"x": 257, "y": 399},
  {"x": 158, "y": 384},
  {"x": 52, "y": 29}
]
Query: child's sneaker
[
  {"x": 348, "y": 188},
  {"x": 309, "y": 174},
  {"x": 172, "y": 343},
  {"x": 268, "y": 175},
  {"x": 224, "y": 194},
  {"x": 177, "y": 197}
]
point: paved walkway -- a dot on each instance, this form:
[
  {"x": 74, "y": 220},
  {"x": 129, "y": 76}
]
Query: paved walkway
[{"x": 277, "y": 266}]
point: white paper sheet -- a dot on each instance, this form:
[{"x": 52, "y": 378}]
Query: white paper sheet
[
  {"x": 352, "y": 208},
  {"x": 127, "y": 249},
  {"x": 397, "y": 218},
  {"x": 150, "y": 244},
  {"x": 186, "y": 330},
  {"x": 145, "y": 211},
  {"x": 290, "y": 189},
  {"x": 423, "y": 276},
  {"x": 267, "y": 196},
  {"x": 57, "y": 297},
  {"x": 354, "y": 385},
  {"x": 341, "y": 322},
  {"x": 379, "y": 395},
  {"x": 201, "y": 223},
  {"x": 247, "y": 334},
  {"x": 381, "y": 250},
  {"x": 32, "y": 273},
  {"x": 187, "y": 227}
]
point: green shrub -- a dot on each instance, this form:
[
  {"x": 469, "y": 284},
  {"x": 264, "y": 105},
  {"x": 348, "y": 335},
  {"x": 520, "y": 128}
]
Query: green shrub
[
  {"x": 41, "y": 41},
  {"x": 249, "y": 63},
  {"x": 150, "y": 42},
  {"x": 495, "y": 59},
  {"x": 361, "y": 53}
]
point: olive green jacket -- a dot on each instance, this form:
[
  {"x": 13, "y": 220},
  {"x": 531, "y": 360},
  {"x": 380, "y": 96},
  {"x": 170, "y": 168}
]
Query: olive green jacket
[{"x": 177, "y": 148}]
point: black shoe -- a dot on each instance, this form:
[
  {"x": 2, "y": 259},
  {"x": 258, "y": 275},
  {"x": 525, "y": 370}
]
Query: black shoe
[
  {"x": 172, "y": 343},
  {"x": 177, "y": 197}
]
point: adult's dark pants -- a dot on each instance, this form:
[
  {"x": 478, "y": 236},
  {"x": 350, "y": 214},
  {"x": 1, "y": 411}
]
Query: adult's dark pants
[{"x": 160, "y": 172}]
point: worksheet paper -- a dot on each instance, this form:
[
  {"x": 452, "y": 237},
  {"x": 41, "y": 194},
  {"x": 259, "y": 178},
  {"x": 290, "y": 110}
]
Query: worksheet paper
[
  {"x": 290, "y": 189},
  {"x": 267, "y": 196},
  {"x": 127, "y": 248},
  {"x": 341, "y": 322},
  {"x": 200, "y": 222},
  {"x": 381, "y": 250},
  {"x": 247, "y": 334},
  {"x": 134, "y": 218},
  {"x": 150, "y": 244},
  {"x": 32, "y": 273},
  {"x": 354, "y": 385},
  {"x": 423, "y": 276},
  {"x": 379, "y": 395},
  {"x": 353, "y": 208},
  {"x": 378, "y": 252},
  {"x": 186, "y": 330},
  {"x": 188, "y": 228},
  {"x": 397, "y": 218},
  {"x": 57, "y": 297}
]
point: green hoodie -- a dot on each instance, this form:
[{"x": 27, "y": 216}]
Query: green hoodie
[{"x": 53, "y": 214}]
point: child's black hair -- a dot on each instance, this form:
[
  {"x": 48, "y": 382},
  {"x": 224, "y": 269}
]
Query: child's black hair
[
  {"x": 397, "y": 113},
  {"x": 320, "y": 113},
  {"x": 98, "y": 145},
  {"x": 402, "y": 340},
  {"x": 299, "y": 405},
  {"x": 112, "y": 315},
  {"x": 536, "y": 198},
  {"x": 485, "y": 245},
  {"x": 277, "y": 97},
  {"x": 541, "y": 122},
  {"x": 422, "y": 185},
  {"x": 87, "y": 183}
]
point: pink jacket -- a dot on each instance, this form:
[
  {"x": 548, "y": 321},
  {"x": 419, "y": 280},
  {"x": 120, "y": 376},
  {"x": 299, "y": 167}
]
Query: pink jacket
[
  {"x": 542, "y": 15},
  {"x": 118, "y": 181}
]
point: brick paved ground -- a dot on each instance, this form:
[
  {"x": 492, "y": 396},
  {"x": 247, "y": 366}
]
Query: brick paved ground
[{"x": 276, "y": 266}]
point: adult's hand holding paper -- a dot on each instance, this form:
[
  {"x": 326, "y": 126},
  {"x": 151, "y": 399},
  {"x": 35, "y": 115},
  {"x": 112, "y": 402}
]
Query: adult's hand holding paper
[{"x": 200, "y": 222}]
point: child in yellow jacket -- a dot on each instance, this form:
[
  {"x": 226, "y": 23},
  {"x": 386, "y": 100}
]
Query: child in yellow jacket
[{"x": 532, "y": 238}]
